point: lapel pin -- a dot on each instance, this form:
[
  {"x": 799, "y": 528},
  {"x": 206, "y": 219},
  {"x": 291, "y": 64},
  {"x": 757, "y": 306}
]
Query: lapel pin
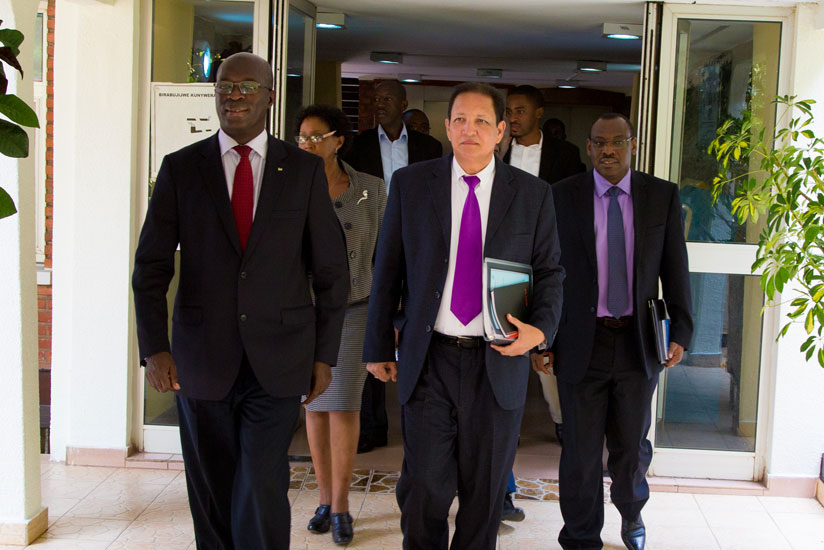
[
  {"x": 280, "y": 169},
  {"x": 364, "y": 197}
]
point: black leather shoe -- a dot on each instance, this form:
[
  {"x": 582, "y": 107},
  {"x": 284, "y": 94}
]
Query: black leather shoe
[
  {"x": 633, "y": 533},
  {"x": 320, "y": 521},
  {"x": 365, "y": 445},
  {"x": 559, "y": 433},
  {"x": 342, "y": 532},
  {"x": 511, "y": 512}
]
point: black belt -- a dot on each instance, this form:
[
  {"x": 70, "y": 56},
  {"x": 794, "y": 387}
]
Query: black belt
[
  {"x": 612, "y": 322},
  {"x": 463, "y": 342}
]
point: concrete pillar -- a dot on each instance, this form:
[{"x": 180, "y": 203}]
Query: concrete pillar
[
  {"x": 97, "y": 60},
  {"x": 22, "y": 518}
]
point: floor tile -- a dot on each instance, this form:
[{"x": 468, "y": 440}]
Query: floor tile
[
  {"x": 91, "y": 529},
  {"x": 678, "y": 537},
  {"x": 178, "y": 533},
  {"x": 803, "y": 531},
  {"x": 792, "y": 504},
  {"x": 128, "y": 508},
  {"x": 142, "y": 476},
  {"x": 118, "y": 489},
  {"x": 65, "y": 544},
  {"x": 65, "y": 489},
  {"x": 756, "y": 536},
  {"x": 78, "y": 473}
]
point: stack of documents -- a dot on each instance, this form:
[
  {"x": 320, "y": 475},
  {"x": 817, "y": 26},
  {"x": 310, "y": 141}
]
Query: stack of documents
[{"x": 507, "y": 288}]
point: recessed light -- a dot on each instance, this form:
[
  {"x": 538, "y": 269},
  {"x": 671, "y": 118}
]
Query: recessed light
[
  {"x": 592, "y": 66},
  {"x": 490, "y": 73},
  {"x": 622, "y": 31},
  {"x": 567, "y": 84},
  {"x": 409, "y": 77},
  {"x": 328, "y": 20},
  {"x": 394, "y": 58}
]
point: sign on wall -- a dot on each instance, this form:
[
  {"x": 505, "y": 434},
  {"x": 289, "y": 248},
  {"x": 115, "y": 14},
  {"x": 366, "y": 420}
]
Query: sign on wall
[{"x": 181, "y": 115}]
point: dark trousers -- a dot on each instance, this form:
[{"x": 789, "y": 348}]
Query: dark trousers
[
  {"x": 237, "y": 471},
  {"x": 613, "y": 399},
  {"x": 455, "y": 438},
  {"x": 373, "y": 422}
]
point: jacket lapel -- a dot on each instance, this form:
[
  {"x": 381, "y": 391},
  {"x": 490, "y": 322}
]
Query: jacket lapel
[
  {"x": 586, "y": 215},
  {"x": 501, "y": 198},
  {"x": 440, "y": 189},
  {"x": 639, "y": 200},
  {"x": 271, "y": 187},
  {"x": 211, "y": 170}
]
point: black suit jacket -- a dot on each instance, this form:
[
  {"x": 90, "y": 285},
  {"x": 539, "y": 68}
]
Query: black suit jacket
[
  {"x": 660, "y": 253},
  {"x": 365, "y": 155},
  {"x": 413, "y": 257},
  {"x": 229, "y": 302},
  {"x": 559, "y": 160}
]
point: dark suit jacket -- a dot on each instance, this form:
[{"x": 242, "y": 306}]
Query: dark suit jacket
[
  {"x": 660, "y": 252},
  {"x": 365, "y": 155},
  {"x": 559, "y": 160},
  {"x": 413, "y": 257},
  {"x": 229, "y": 302}
]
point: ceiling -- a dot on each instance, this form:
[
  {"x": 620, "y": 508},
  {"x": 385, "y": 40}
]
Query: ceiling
[{"x": 537, "y": 42}]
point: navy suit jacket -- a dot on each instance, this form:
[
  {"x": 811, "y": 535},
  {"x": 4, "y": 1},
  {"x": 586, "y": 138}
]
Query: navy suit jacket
[
  {"x": 413, "y": 257},
  {"x": 230, "y": 302},
  {"x": 660, "y": 253},
  {"x": 365, "y": 155}
]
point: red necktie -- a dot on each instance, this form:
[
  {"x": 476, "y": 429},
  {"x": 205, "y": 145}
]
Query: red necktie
[{"x": 243, "y": 195}]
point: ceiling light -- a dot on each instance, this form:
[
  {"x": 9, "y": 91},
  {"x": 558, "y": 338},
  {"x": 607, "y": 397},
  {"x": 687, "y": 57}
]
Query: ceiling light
[
  {"x": 623, "y": 31},
  {"x": 566, "y": 83},
  {"x": 592, "y": 66},
  {"x": 490, "y": 73},
  {"x": 394, "y": 58},
  {"x": 328, "y": 20},
  {"x": 409, "y": 77}
]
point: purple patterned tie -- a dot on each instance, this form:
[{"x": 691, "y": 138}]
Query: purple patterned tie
[{"x": 466, "y": 286}]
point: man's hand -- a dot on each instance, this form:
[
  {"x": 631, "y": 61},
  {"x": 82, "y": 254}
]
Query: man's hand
[
  {"x": 321, "y": 378},
  {"x": 675, "y": 354},
  {"x": 384, "y": 371},
  {"x": 542, "y": 362},
  {"x": 528, "y": 338},
  {"x": 161, "y": 372}
]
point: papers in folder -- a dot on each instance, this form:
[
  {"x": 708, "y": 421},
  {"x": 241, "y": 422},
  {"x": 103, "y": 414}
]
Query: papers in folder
[
  {"x": 660, "y": 328},
  {"x": 507, "y": 288}
]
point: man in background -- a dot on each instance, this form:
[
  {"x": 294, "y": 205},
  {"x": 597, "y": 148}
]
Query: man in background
[{"x": 415, "y": 119}]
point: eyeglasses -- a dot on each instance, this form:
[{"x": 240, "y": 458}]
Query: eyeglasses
[
  {"x": 620, "y": 143},
  {"x": 314, "y": 138},
  {"x": 247, "y": 87}
]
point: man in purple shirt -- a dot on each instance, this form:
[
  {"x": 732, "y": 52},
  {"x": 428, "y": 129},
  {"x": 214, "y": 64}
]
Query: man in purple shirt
[{"x": 621, "y": 233}]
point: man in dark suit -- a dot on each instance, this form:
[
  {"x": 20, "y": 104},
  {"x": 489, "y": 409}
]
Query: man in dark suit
[
  {"x": 462, "y": 399},
  {"x": 620, "y": 233},
  {"x": 556, "y": 129},
  {"x": 380, "y": 151},
  {"x": 532, "y": 150},
  {"x": 252, "y": 216}
]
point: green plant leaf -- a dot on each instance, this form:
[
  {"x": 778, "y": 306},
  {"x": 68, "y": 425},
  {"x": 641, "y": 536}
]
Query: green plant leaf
[
  {"x": 8, "y": 55},
  {"x": 14, "y": 142},
  {"x": 17, "y": 111},
  {"x": 11, "y": 38},
  {"x": 7, "y": 207}
]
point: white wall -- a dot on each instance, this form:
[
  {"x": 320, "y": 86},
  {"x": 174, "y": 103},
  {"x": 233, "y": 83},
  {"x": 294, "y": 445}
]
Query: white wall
[
  {"x": 797, "y": 430},
  {"x": 19, "y": 436},
  {"x": 96, "y": 99}
]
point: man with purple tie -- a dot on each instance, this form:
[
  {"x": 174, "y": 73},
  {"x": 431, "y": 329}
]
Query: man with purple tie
[{"x": 462, "y": 399}]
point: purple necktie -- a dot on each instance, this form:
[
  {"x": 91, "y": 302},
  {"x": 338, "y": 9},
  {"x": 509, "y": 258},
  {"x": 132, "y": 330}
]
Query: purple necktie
[{"x": 466, "y": 286}]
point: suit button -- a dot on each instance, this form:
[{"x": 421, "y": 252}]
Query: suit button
[
  {"x": 242, "y": 274},
  {"x": 338, "y": 204},
  {"x": 355, "y": 281},
  {"x": 352, "y": 254},
  {"x": 243, "y": 317},
  {"x": 437, "y": 294},
  {"x": 592, "y": 310},
  {"x": 428, "y": 328},
  {"x": 446, "y": 260},
  {"x": 347, "y": 226}
]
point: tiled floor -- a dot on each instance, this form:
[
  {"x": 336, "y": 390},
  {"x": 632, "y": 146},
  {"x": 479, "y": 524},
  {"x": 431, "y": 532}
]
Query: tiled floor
[{"x": 143, "y": 509}]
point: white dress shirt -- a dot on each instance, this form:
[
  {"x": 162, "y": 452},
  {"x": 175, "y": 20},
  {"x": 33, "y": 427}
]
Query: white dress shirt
[
  {"x": 394, "y": 154},
  {"x": 231, "y": 158},
  {"x": 526, "y": 157},
  {"x": 446, "y": 322}
]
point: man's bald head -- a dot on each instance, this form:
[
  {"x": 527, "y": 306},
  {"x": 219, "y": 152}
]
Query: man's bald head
[{"x": 251, "y": 64}]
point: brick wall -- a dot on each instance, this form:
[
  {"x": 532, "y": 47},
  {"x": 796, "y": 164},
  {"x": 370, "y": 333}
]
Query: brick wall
[{"x": 44, "y": 292}]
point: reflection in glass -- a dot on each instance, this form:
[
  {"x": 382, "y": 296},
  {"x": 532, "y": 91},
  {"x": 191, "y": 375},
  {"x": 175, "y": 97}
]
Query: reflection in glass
[
  {"x": 191, "y": 37},
  {"x": 298, "y": 71},
  {"x": 723, "y": 68},
  {"x": 37, "y": 46},
  {"x": 710, "y": 400}
]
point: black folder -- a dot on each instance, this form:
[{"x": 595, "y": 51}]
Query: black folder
[
  {"x": 660, "y": 328},
  {"x": 507, "y": 288}
]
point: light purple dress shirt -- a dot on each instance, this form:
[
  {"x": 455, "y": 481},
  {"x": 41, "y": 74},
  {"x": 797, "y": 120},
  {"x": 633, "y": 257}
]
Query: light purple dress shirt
[{"x": 601, "y": 205}]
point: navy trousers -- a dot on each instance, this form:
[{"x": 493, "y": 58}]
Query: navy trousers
[
  {"x": 455, "y": 438},
  {"x": 613, "y": 399},
  {"x": 237, "y": 469}
]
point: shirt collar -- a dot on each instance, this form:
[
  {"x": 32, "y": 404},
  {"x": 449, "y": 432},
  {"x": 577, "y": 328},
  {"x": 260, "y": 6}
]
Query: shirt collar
[
  {"x": 382, "y": 135},
  {"x": 538, "y": 145},
  {"x": 602, "y": 185},
  {"x": 487, "y": 175},
  {"x": 258, "y": 143}
]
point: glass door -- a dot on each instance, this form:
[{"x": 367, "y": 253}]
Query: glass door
[
  {"x": 715, "y": 64},
  {"x": 296, "y": 65}
]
